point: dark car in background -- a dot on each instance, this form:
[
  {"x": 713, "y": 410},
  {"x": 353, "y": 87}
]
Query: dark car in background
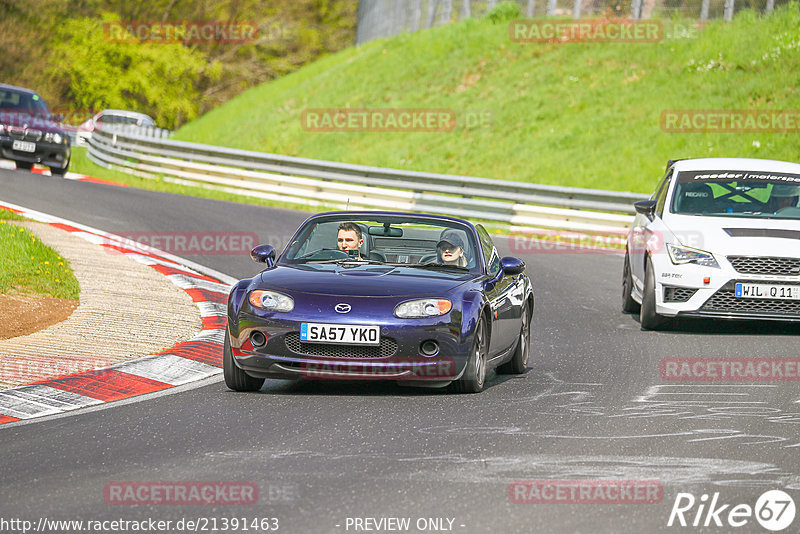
[
  {"x": 420, "y": 300},
  {"x": 29, "y": 133}
]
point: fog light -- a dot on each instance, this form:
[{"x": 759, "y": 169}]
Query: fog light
[
  {"x": 258, "y": 339},
  {"x": 429, "y": 348}
]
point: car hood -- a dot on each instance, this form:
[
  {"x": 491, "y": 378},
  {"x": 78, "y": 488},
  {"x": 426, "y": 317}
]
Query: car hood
[
  {"x": 737, "y": 236},
  {"x": 363, "y": 280},
  {"x": 30, "y": 121}
]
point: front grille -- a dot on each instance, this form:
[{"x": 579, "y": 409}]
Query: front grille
[
  {"x": 765, "y": 265},
  {"x": 24, "y": 134},
  {"x": 678, "y": 294},
  {"x": 387, "y": 348},
  {"x": 724, "y": 300}
]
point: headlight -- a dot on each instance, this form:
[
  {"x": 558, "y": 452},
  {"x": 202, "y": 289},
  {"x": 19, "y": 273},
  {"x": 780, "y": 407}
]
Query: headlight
[
  {"x": 56, "y": 138},
  {"x": 271, "y": 301},
  {"x": 680, "y": 255},
  {"x": 422, "y": 308}
]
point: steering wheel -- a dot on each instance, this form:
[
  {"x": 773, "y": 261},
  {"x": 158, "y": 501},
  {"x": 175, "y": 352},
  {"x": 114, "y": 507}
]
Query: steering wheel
[
  {"x": 429, "y": 258},
  {"x": 326, "y": 254}
]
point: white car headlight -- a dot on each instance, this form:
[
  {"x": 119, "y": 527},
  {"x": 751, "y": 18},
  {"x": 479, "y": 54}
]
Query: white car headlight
[
  {"x": 681, "y": 255},
  {"x": 271, "y": 301},
  {"x": 422, "y": 308}
]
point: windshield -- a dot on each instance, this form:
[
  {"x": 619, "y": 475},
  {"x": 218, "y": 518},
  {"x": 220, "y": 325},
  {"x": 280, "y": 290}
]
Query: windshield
[
  {"x": 744, "y": 194},
  {"x": 418, "y": 243},
  {"x": 111, "y": 119},
  {"x": 19, "y": 107}
]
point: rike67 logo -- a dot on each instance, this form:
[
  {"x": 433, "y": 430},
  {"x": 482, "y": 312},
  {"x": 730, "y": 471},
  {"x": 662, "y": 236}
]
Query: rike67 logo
[{"x": 774, "y": 510}]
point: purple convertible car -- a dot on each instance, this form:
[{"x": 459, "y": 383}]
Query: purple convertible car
[{"x": 421, "y": 300}]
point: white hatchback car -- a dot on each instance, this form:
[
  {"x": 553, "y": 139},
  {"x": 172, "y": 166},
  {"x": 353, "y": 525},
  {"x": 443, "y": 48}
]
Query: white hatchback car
[{"x": 720, "y": 237}]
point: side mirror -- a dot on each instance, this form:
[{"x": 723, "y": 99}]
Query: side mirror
[
  {"x": 511, "y": 265},
  {"x": 646, "y": 208},
  {"x": 264, "y": 254}
]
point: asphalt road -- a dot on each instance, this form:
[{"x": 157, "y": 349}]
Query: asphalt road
[{"x": 592, "y": 406}]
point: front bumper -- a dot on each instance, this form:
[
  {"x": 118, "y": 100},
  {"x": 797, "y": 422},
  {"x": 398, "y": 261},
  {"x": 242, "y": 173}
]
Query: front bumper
[
  {"x": 682, "y": 290},
  {"x": 49, "y": 154},
  {"x": 398, "y": 358}
]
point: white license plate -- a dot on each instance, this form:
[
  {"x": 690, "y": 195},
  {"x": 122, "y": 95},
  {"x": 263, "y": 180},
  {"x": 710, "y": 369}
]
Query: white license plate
[
  {"x": 340, "y": 333},
  {"x": 23, "y": 146},
  {"x": 767, "y": 291}
]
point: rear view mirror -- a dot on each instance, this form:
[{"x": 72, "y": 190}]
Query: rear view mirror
[{"x": 385, "y": 231}]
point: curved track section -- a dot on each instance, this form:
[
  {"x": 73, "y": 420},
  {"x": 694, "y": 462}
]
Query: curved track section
[
  {"x": 593, "y": 406},
  {"x": 188, "y": 361}
]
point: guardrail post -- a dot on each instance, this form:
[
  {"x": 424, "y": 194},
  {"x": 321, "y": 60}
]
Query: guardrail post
[
  {"x": 447, "y": 11},
  {"x": 728, "y": 13},
  {"x": 576, "y": 10},
  {"x": 465, "y": 11},
  {"x": 770, "y": 6},
  {"x": 529, "y": 10},
  {"x": 416, "y": 13},
  {"x": 636, "y": 9},
  {"x": 551, "y": 7},
  {"x": 704, "y": 10}
]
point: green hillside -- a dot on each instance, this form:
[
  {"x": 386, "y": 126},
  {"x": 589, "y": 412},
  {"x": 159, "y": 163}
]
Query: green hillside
[{"x": 577, "y": 114}]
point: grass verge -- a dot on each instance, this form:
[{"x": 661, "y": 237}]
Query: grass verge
[
  {"x": 28, "y": 265},
  {"x": 575, "y": 114}
]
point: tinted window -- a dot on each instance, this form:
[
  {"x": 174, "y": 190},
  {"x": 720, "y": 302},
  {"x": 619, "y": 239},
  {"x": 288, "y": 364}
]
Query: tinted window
[{"x": 749, "y": 194}]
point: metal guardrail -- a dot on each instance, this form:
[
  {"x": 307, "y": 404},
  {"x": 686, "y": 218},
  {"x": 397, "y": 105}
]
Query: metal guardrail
[{"x": 521, "y": 206}]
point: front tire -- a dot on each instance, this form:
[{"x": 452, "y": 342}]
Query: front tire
[
  {"x": 235, "y": 378},
  {"x": 518, "y": 363},
  {"x": 650, "y": 320},
  {"x": 474, "y": 376},
  {"x": 628, "y": 304},
  {"x": 59, "y": 171}
]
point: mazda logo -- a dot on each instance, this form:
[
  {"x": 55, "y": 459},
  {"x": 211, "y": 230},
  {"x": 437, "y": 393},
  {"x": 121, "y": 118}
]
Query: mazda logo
[{"x": 342, "y": 308}]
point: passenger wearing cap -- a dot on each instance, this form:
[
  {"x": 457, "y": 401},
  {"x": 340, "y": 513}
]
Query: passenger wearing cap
[
  {"x": 784, "y": 196},
  {"x": 450, "y": 250}
]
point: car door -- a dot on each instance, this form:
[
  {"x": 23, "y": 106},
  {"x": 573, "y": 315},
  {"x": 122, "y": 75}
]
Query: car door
[
  {"x": 505, "y": 295},
  {"x": 643, "y": 230}
]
